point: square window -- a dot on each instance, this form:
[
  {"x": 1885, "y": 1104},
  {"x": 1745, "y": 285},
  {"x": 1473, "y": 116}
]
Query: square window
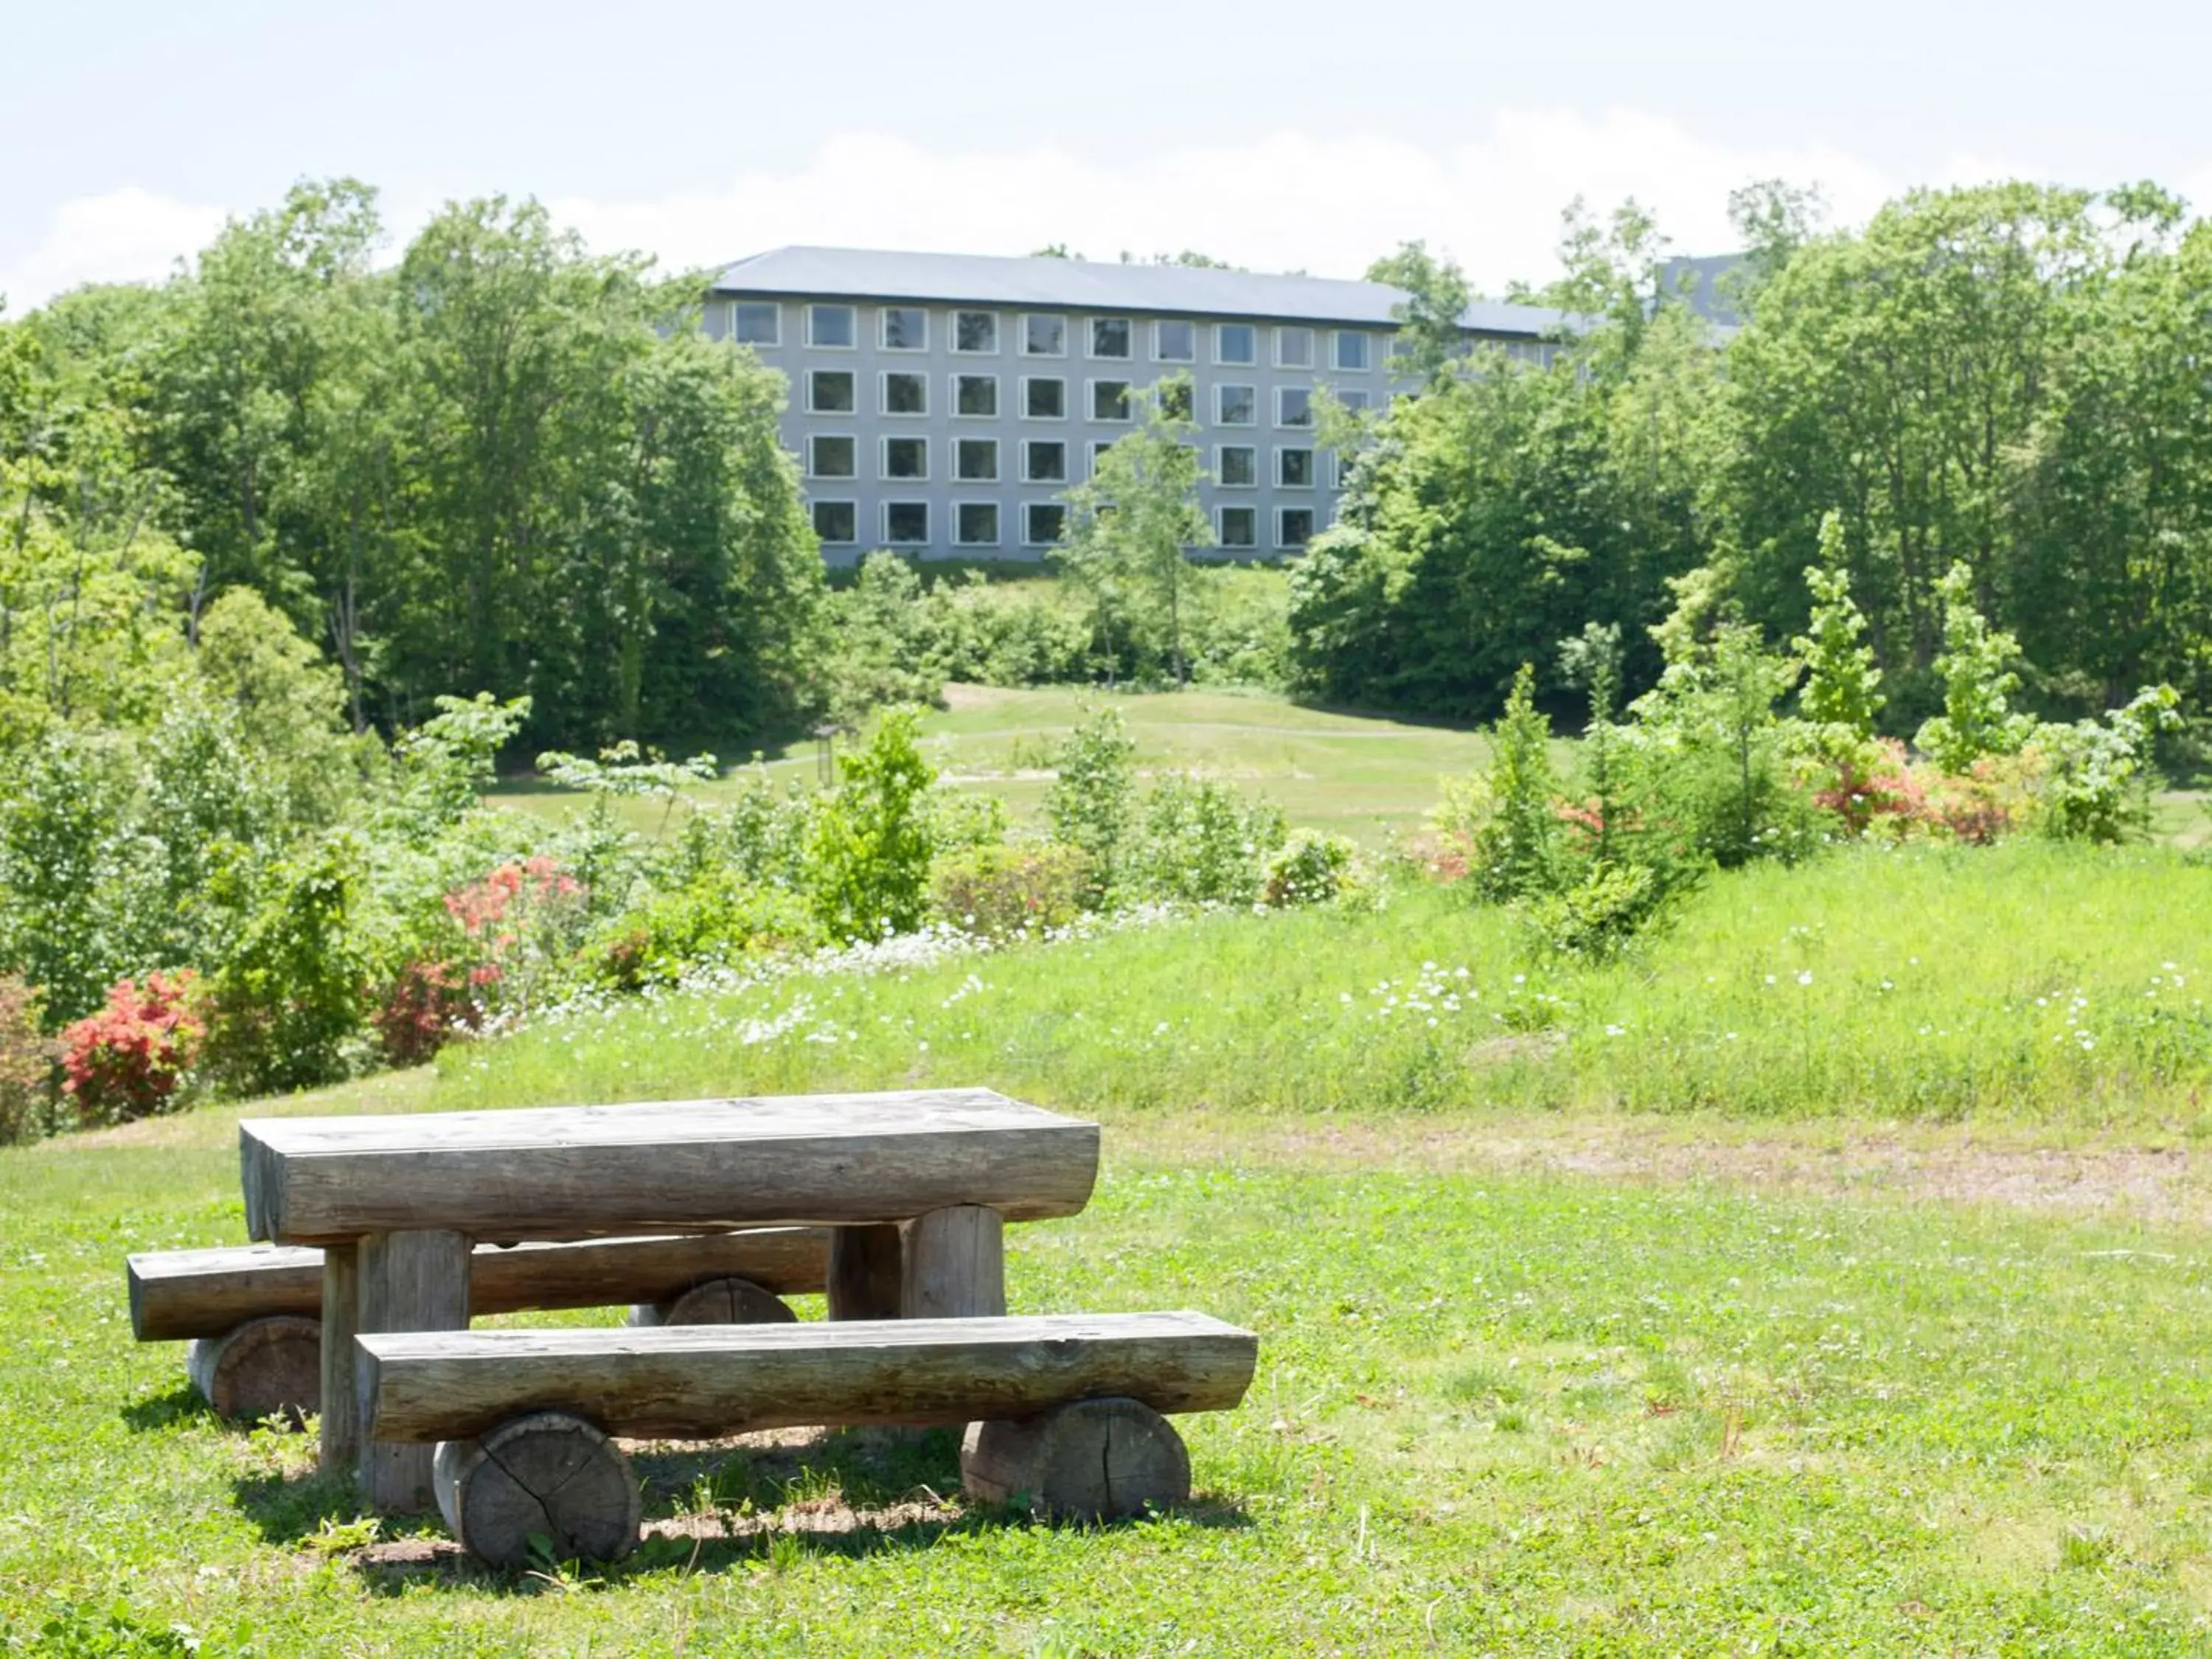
[
  {"x": 1294, "y": 527},
  {"x": 1238, "y": 526},
  {"x": 756, "y": 322},
  {"x": 1174, "y": 342},
  {"x": 1236, "y": 405},
  {"x": 829, "y": 326},
  {"x": 837, "y": 523},
  {"x": 1293, "y": 406},
  {"x": 829, "y": 392},
  {"x": 1043, "y": 522},
  {"x": 1044, "y": 337},
  {"x": 1293, "y": 348},
  {"x": 1236, "y": 343},
  {"x": 1237, "y": 466},
  {"x": 1044, "y": 399},
  {"x": 975, "y": 332},
  {"x": 975, "y": 524},
  {"x": 905, "y": 523},
  {"x": 1294, "y": 468},
  {"x": 906, "y": 457},
  {"x": 830, "y": 457},
  {"x": 976, "y": 461},
  {"x": 976, "y": 395},
  {"x": 1099, "y": 448},
  {"x": 1354, "y": 400},
  {"x": 1352, "y": 351},
  {"x": 906, "y": 394},
  {"x": 906, "y": 328},
  {"x": 1109, "y": 337},
  {"x": 1110, "y": 400},
  {"x": 1044, "y": 461}
]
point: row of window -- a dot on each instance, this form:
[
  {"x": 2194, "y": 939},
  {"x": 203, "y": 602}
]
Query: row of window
[
  {"x": 1044, "y": 397},
  {"x": 1110, "y": 339},
  {"x": 977, "y": 524},
  {"x": 1043, "y": 460}
]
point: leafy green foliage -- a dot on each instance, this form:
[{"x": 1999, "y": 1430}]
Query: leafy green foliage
[
  {"x": 719, "y": 918},
  {"x": 1841, "y": 694},
  {"x": 27, "y": 1062},
  {"x": 1514, "y": 848},
  {"x": 867, "y": 859},
  {"x": 1595, "y": 918},
  {"x": 1976, "y": 666},
  {"x": 286, "y": 1005},
  {"x": 1310, "y": 867},
  {"x": 1429, "y": 340},
  {"x": 1008, "y": 891},
  {"x": 1200, "y": 842},
  {"x": 1091, "y": 804},
  {"x": 2096, "y": 776}
]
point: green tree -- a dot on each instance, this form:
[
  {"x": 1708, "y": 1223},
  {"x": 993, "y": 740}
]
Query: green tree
[
  {"x": 1842, "y": 693},
  {"x": 1091, "y": 801},
  {"x": 1516, "y": 852},
  {"x": 868, "y": 857},
  {"x": 1431, "y": 337},
  {"x": 1976, "y": 667}
]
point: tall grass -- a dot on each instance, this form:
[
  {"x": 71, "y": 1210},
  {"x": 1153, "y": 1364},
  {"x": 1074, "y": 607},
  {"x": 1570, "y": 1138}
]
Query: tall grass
[{"x": 2029, "y": 981}]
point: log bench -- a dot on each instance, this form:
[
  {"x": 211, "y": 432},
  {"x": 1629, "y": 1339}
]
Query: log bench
[
  {"x": 1065, "y": 1411},
  {"x": 253, "y": 1315}
]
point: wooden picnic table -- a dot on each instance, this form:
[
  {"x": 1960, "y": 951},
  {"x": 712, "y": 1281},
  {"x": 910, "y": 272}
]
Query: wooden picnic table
[{"x": 916, "y": 1185}]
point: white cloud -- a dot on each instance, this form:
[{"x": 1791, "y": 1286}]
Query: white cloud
[{"x": 127, "y": 235}]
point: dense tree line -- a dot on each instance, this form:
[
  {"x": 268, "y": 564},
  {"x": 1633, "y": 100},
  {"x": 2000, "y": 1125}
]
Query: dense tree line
[
  {"x": 500, "y": 464},
  {"x": 2009, "y": 378}
]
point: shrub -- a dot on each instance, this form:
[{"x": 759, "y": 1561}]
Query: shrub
[
  {"x": 1594, "y": 919},
  {"x": 718, "y": 917},
  {"x": 1001, "y": 892},
  {"x": 867, "y": 861},
  {"x": 1514, "y": 834},
  {"x": 521, "y": 922},
  {"x": 1309, "y": 868},
  {"x": 130, "y": 1059},
  {"x": 2097, "y": 778},
  {"x": 1976, "y": 665},
  {"x": 1093, "y": 799},
  {"x": 295, "y": 993},
  {"x": 1202, "y": 843},
  {"x": 426, "y": 1005},
  {"x": 27, "y": 1062}
]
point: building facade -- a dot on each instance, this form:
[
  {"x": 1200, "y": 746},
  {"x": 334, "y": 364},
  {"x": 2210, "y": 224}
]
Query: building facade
[{"x": 941, "y": 404}]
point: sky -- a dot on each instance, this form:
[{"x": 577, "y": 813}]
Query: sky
[{"x": 1281, "y": 137}]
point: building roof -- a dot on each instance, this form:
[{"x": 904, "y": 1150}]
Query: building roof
[{"x": 1090, "y": 285}]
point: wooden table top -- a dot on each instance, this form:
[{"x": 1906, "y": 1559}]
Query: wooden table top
[{"x": 662, "y": 1166}]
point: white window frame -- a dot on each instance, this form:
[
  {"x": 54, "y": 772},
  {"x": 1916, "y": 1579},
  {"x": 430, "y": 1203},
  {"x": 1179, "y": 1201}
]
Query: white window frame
[
  {"x": 883, "y": 473},
  {"x": 1159, "y": 323},
  {"x": 1355, "y": 400},
  {"x": 1090, "y": 352},
  {"x": 884, "y": 330},
  {"x": 998, "y": 524},
  {"x": 884, "y": 523},
  {"x": 1221, "y": 420},
  {"x": 1028, "y": 477},
  {"x": 959, "y": 477},
  {"x": 851, "y": 375},
  {"x": 1219, "y": 472},
  {"x": 771, "y": 307},
  {"x": 953, "y": 388},
  {"x": 1313, "y": 465},
  {"x": 1283, "y": 543},
  {"x": 1050, "y": 317},
  {"x": 1029, "y": 537},
  {"x": 813, "y": 507},
  {"x": 1220, "y": 361},
  {"x": 884, "y": 410},
  {"x": 1337, "y": 337},
  {"x": 1221, "y": 538},
  {"x": 853, "y": 344},
  {"x": 959, "y": 350},
  {"x": 854, "y": 476},
  {"x": 1029, "y": 379},
  {"x": 1282, "y": 425},
  {"x": 1283, "y": 332},
  {"x": 1128, "y": 416}
]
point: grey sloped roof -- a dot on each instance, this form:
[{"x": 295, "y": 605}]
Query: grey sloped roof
[{"x": 1090, "y": 285}]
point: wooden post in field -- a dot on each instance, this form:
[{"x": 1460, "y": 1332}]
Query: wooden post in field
[
  {"x": 865, "y": 1272},
  {"x": 410, "y": 1281},
  {"x": 341, "y": 1429},
  {"x": 956, "y": 1265}
]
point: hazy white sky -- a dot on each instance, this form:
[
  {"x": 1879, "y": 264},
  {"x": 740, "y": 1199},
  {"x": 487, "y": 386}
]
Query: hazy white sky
[{"x": 1283, "y": 136}]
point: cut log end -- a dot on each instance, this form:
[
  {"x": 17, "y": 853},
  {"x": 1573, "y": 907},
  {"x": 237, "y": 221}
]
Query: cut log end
[
  {"x": 727, "y": 1301},
  {"x": 264, "y": 1367},
  {"x": 548, "y": 1476},
  {"x": 1096, "y": 1460}
]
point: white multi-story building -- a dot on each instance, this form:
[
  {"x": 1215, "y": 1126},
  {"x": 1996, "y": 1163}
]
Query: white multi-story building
[{"x": 942, "y": 403}]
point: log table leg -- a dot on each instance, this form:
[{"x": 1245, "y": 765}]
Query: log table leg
[
  {"x": 865, "y": 1272},
  {"x": 956, "y": 1265},
  {"x": 409, "y": 1281},
  {"x": 341, "y": 1428}
]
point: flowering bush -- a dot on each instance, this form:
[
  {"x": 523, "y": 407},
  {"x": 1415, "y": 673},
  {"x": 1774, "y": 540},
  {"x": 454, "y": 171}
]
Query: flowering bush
[
  {"x": 27, "y": 1061},
  {"x": 131, "y": 1058},
  {"x": 1309, "y": 868},
  {"x": 996, "y": 892},
  {"x": 426, "y": 1005},
  {"x": 519, "y": 924}
]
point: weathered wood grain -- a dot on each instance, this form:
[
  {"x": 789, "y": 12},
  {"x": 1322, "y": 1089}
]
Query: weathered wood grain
[
  {"x": 866, "y": 1271},
  {"x": 547, "y": 1475},
  {"x": 665, "y": 1167},
  {"x": 727, "y": 1301},
  {"x": 1096, "y": 1460},
  {"x": 269, "y": 1367},
  {"x": 954, "y": 1265},
  {"x": 703, "y": 1382},
  {"x": 176, "y": 1295},
  {"x": 340, "y": 1429},
  {"x": 410, "y": 1281}
]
